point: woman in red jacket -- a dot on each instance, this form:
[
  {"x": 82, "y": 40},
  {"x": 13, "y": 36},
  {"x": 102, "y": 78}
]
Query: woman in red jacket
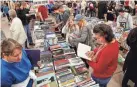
[{"x": 104, "y": 59}]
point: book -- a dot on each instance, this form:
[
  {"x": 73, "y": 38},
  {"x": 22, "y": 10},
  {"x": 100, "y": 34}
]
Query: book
[
  {"x": 68, "y": 56},
  {"x": 69, "y": 51},
  {"x": 63, "y": 73},
  {"x": 62, "y": 66},
  {"x": 62, "y": 70},
  {"x": 67, "y": 83},
  {"x": 59, "y": 57},
  {"x": 64, "y": 45},
  {"x": 85, "y": 81},
  {"x": 46, "y": 57},
  {"x": 44, "y": 78},
  {"x": 61, "y": 62},
  {"x": 81, "y": 70},
  {"x": 46, "y": 68},
  {"x": 82, "y": 50},
  {"x": 50, "y": 35},
  {"x": 55, "y": 47},
  {"x": 39, "y": 34},
  {"x": 58, "y": 52},
  {"x": 51, "y": 84},
  {"x": 66, "y": 78},
  {"x": 75, "y": 61}
]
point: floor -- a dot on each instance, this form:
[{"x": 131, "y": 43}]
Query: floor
[{"x": 116, "y": 78}]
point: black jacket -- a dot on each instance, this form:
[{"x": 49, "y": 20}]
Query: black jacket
[
  {"x": 131, "y": 59},
  {"x": 21, "y": 13}
]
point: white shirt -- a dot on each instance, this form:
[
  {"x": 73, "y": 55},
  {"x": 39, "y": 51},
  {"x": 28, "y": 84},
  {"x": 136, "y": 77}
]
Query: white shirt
[
  {"x": 126, "y": 21},
  {"x": 83, "y": 5},
  {"x": 17, "y": 31}
]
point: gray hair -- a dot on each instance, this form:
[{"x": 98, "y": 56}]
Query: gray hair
[{"x": 12, "y": 13}]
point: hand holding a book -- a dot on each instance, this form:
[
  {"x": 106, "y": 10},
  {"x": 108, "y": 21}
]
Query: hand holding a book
[{"x": 91, "y": 55}]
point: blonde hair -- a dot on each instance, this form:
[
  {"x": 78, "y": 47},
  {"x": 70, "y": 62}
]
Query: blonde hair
[
  {"x": 82, "y": 23},
  {"x": 8, "y": 46}
]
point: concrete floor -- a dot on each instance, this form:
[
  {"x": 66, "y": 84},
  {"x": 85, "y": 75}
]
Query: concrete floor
[{"x": 116, "y": 78}]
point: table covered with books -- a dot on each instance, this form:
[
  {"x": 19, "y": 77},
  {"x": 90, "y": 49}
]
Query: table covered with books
[{"x": 58, "y": 65}]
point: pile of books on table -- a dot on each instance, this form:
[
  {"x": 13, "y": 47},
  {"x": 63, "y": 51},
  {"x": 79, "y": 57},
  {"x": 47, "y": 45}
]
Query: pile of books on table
[
  {"x": 46, "y": 76},
  {"x": 45, "y": 71},
  {"x": 70, "y": 70}
]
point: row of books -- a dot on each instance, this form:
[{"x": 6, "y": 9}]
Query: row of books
[
  {"x": 60, "y": 66},
  {"x": 70, "y": 70}
]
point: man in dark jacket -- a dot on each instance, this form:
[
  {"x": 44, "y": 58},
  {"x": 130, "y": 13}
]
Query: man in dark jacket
[
  {"x": 23, "y": 14},
  {"x": 131, "y": 59}
]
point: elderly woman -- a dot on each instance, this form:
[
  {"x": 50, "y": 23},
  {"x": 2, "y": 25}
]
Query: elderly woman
[
  {"x": 104, "y": 59},
  {"x": 15, "y": 65},
  {"x": 16, "y": 28}
]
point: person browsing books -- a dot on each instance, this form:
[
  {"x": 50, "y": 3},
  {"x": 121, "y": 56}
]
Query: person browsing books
[
  {"x": 104, "y": 58},
  {"x": 124, "y": 20},
  {"x": 70, "y": 29},
  {"x": 83, "y": 36},
  {"x": 15, "y": 65}
]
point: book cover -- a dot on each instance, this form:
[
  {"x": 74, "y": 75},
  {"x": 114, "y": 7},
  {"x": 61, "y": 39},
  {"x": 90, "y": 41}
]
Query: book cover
[
  {"x": 75, "y": 61},
  {"x": 62, "y": 66},
  {"x": 69, "y": 51},
  {"x": 39, "y": 34},
  {"x": 45, "y": 79},
  {"x": 46, "y": 57},
  {"x": 58, "y": 52},
  {"x": 51, "y": 84},
  {"x": 64, "y": 45},
  {"x": 59, "y": 57},
  {"x": 82, "y": 50},
  {"x": 68, "y": 56},
  {"x": 55, "y": 47},
  {"x": 61, "y": 62},
  {"x": 67, "y": 83}
]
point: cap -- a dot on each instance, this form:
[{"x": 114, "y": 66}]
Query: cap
[{"x": 78, "y": 17}]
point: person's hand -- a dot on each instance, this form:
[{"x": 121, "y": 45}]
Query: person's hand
[{"x": 90, "y": 54}]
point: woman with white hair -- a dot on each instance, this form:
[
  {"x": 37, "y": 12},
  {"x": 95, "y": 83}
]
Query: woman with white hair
[{"x": 16, "y": 28}]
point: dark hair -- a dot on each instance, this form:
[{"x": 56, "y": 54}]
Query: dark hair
[
  {"x": 55, "y": 7},
  {"x": 132, "y": 38},
  {"x": 104, "y": 30},
  {"x": 122, "y": 9}
]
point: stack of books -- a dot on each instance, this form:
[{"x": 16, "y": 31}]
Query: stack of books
[
  {"x": 64, "y": 45},
  {"x": 46, "y": 57},
  {"x": 45, "y": 75},
  {"x": 87, "y": 83},
  {"x": 60, "y": 38},
  {"x": 55, "y": 47},
  {"x": 59, "y": 64},
  {"x": 65, "y": 78},
  {"x": 69, "y": 51}
]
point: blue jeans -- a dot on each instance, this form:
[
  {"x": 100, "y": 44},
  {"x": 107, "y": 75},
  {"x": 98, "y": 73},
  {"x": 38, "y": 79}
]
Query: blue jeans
[
  {"x": 28, "y": 33},
  {"x": 101, "y": 82}
]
